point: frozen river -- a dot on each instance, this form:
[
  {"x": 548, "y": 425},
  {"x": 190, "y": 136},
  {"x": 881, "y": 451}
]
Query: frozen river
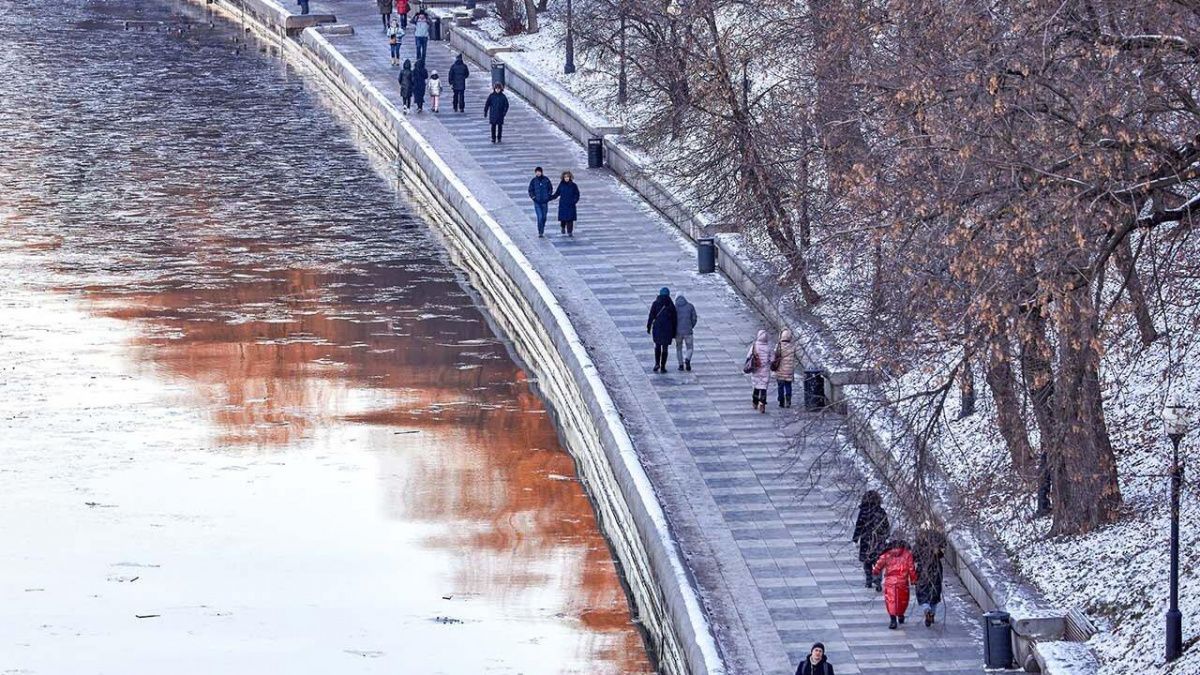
[{"x": 251, "y": 419}]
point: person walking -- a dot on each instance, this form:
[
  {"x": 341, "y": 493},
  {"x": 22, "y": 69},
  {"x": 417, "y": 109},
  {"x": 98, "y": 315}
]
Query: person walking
[
  {"x": 783, "y": 364},
  {"x": 495, "y": 108},
  {"x": 928, "y": 550},
  {"x": 385, "y": 12},
  {"x": 541, "y": 191},
  {"x": 758, "y": 367},
  {"x": 435, "y": 91},
  {"x": 871, "y": 531},
  {"x": 402, "y": 12},
  {"x": 458, "y": 83},
  {"x": 421, "y": 33},
  {"x": 685, "y": 320},
  {"x": 898, "y": 570},
  {"x": 303, "y": 6},
  {"x": 406, "y": 84},
  {"x": 567, "y": 194},
  {"x": 661, "y": 325},
  {"x": 419, "y": 78},
  {"x": 395, "y": 34},
  {"x": 816, "y": 663}
]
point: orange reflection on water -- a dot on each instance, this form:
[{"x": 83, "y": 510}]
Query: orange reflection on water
[{"x": 279, "y": 356}]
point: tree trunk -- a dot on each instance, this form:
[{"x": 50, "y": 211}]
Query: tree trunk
[
  {"x": 1000, "y": 379},
  {"x": 836, "y": 112},
  {"x": 966, "y": 390},
  {"x": 531, "y": 18},
  {"x": 1123, "y": 256},
  {"x": 1082, "y": 464},
  {"x": 1038, "y": 375}
]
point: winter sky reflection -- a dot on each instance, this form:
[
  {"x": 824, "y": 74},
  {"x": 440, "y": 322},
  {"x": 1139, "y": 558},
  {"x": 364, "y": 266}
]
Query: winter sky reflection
[{"x": 244, "y": 371}]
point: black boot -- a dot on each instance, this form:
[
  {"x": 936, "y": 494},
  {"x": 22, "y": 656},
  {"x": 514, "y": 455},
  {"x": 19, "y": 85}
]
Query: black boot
[
  {"x": 788, "y": 402},
  {"x": 869, "y": 581},
  {"x": 687, "y": 364},
  {"x": 681, "y": 366},
  {"x": 928, "y": 618},
  {"x": 892, "y": 623},
  {"x": 901, "y": 617}
]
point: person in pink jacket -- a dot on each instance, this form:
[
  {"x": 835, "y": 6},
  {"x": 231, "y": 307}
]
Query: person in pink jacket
[{"x": 758, "y": 367}]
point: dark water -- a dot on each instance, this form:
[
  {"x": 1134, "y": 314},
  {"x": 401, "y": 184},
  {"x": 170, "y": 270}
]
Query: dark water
[{"x": 220, "y": 319}]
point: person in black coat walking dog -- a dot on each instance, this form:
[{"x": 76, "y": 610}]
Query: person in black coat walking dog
[
  {"x": 871, "y": 531},
  {"x": 458, "y": 83},
  {"x": 661, "y": 324},
  {"x": 816, "y": 663},
  {"x": 495, "y": 108},
  {"x": 567, "y": 194}
]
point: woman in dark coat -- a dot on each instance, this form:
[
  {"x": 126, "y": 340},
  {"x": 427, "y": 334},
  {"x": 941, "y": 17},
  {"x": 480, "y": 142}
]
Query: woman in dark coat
[
  {"x": 567, "y": 194},
  {"x": 494, "y": 109},
  {"x": 419, "y": 76},
  {"x": 385, "y": 12},
  {"x": 871, "y": 531},
  {"x": 928, "y": 550},
  {"x": 406, "y": 84},
  {"x": 661, "y": 324}
]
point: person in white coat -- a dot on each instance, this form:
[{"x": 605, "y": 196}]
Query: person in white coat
[
  {"x": 758, "y": 367},
  {"x": 435, "y": 90}
]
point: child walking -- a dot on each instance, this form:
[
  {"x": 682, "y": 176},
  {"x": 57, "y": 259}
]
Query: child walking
[
  {"x": 435, "y": 90},
  {"x": 898, "y": 570}
]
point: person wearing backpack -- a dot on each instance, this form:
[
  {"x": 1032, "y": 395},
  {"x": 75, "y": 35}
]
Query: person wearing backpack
[
  {"x": 783, "y": 364},
  {"x": 661, "y": 324},
  {"x": 758, "y": 367}
]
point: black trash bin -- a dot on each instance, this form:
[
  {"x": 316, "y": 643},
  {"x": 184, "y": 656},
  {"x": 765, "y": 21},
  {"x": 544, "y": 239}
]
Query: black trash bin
[
  {"x": 595, "y": 153},
  {"x": 814, "y": 390},
  {"x": 497, "y": 73},
  {"x": 435, "y": 29},
  {"x": 997, "y": 639},
  {"x": 706, "y": 254}
]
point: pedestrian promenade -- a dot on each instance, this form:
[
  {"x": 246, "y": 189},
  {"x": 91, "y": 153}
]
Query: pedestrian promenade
[{"x": 772, "y": 561}]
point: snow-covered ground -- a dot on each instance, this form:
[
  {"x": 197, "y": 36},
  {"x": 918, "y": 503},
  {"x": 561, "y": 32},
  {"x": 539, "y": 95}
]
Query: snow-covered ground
[{"x": 1117, "y": 575}]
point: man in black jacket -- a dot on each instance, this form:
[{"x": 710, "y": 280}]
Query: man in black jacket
[
  {"x": 458, "y": 83},
  {"x": 495, "y": 109},
  {"x": 541, "y": 192}
]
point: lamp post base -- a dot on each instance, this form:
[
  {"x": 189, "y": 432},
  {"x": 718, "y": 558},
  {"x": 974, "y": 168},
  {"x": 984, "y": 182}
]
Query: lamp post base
[{"x": 1174, "y": 634}]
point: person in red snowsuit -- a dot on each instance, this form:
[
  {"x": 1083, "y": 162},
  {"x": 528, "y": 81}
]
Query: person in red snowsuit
[{"x": 898, "y": 569}]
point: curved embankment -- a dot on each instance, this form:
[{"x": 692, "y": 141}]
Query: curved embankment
[{"x": 519, "y": 300}]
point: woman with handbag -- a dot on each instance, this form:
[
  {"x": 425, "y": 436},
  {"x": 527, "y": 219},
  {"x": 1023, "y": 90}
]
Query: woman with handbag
[{"x": 758, "y": 367}]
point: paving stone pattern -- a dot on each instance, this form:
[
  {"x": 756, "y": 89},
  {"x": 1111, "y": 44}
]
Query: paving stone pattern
[{"x": 772, "y": 562}]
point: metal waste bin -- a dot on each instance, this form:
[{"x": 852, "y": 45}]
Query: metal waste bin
[
  {"x": 706, "y": 254},
  {"x": 435, "y": 29},
  {"x": 997, "y": 639},
  {"x": 497, "y": 73},
  {"x": 814, "y": 390},
  {"x": 595, "y": 153}
]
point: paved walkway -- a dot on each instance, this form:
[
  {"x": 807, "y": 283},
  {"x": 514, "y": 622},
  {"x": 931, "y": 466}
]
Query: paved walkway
[{"x": 772, "y": 562}]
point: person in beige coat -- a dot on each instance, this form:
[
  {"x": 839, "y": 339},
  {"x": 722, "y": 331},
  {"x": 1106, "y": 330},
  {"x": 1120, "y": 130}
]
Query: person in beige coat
[{"x": 783, "y": 362}]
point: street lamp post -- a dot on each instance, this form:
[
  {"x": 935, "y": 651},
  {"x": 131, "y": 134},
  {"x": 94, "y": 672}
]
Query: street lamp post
[
  {"x": 1175, "y": 422},
  {"x": 569, "y": 67}
]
